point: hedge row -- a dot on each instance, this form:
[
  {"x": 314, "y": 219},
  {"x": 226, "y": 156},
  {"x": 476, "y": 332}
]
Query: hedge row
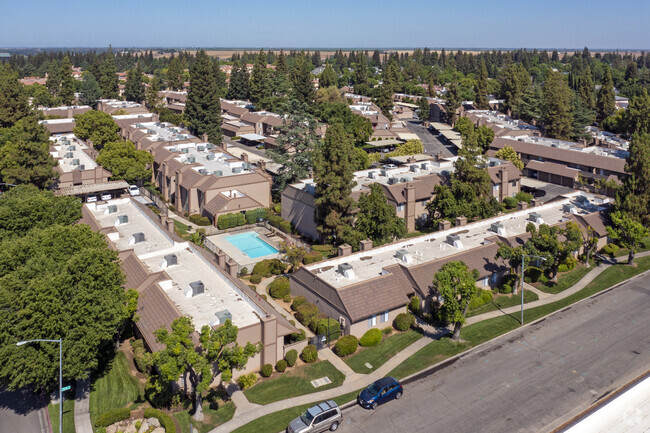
[
  {"x": 312, "y": 257},
  {"x": 113, "y": 416},
  {"x": 199, "y": 220},
  {"x": 230, "y": 220},
  {"x": 277, "y": 222},
  {"x": 166, "y": 421}
]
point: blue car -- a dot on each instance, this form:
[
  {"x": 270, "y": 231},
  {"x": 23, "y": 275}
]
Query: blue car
[{"x": 380, "y": 392}]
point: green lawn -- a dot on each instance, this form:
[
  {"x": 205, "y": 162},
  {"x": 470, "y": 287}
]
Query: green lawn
[
  {"x": 278, "y": 421},
  {"x": 378, "y": 355},
  {"x": 213, "y": 418},
  {"x": 68, "y": 414},
  {"x": 485, "y": 330},
  {"x": 115, "y": 389},
  {"x": 503, "y": 301},
  {"x": 294, "y": 382},
  {"x": 181, "y": 228},
  {"x": 566, "y": 280}
]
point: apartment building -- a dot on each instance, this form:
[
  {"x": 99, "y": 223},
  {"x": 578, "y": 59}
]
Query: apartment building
[{"x": 75, "y": 162}]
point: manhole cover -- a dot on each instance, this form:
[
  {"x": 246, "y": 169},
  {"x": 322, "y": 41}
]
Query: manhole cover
[{"x": 317, "y": 383}]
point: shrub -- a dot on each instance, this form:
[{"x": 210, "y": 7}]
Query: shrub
[
  {"x": 403, "y": 321},
  {"x": 277, "y": 208},
  {"x": 267, "y": 370},
  {"x": 251, "y": 216},
  {"x": 269, "y": 267},
  {"x": 199, "y": 220},
  {"x": 610, "y": 249},
  {"x": 312, "y": 257},
  {"x": 286, "y": 227},
  {"x": 281, "y": 366},
  {"x": 334, "y": 328},
  {"x": 414, "y": 304},
  {"x": 506, "y": 288},
  {"x": 371, "y": 338},
  {"x": 165, "y": 420},
  {"x": 387, "y": 330},
  {"x": 279, "y": 288},
  {"x": 309, "y": 353},
  {"x": 112, "y": 416},
  {"x": 223, "y": 222},
  {"x": 297, "y": 336},
  {"x": 306, "y": 313},
  {"x": 571, "y": 263},
  {"x": 291, "y": 357},
  {"x": 244, "y": 271},
  {"x": 543, "y": 279},
  {"x": 510, "y": 202},
  {"x": 142, "y": 360},
  {"x": 346, "y": 345},
  {"x": 562, "y": 268},
  {"x": 256, "y": 278},
  {"x": 481, "y": 298},
  {"x": 297, "y": 302},
  {"x": 172, "y": 208},
  {"x": 534, "y": 273},
  {"x": 246, "y": 380},
  {"x": 524, "y": 196},
  {"x": 240, "y": 219}
]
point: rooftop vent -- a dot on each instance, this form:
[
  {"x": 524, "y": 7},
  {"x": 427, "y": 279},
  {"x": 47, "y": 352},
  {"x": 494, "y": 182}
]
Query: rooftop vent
[
  {"x": 203, "y": 171},
  {"x": 169, "y": 260},
  {"x": 218, "y": 173},
  {"x": 200, "y": 148},
  {"x": 196, "y": 288},
  {"x": 569, "y": 208},
  {"x": 237, "y": 170},
  {"x": 220, "y": 317},
  {"x": 68, "y": 155},
  {"x": 137, "y": 238},
  {"x": 112, "y": 208},
  {"x": 393, "y": 180},
  {"x": 371, "y": 174},
  {"x": 72, "y": 147},
  {"x": 74, "y": 162},
  {"x": 210, "y": 157},
  {"x": 455, "y": 241},
  {"x": 498, "y": 229},
  {"x": 346, "y": 270},
  {"x": 404, "y": 256},
  {"x": 414, "y": 168},
  {"x": 536, "y": 218},
  {"x": 122, "y": 219}
]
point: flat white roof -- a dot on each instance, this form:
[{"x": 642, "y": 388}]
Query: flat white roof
[
  {"x": 70, "y": 153},
  {"x": 217, "y": 163},
  {"x": 569, "y": 145},
  {"x": 219, "y": 293},
  {"x": 502, "y": 120},
  {"x": 163, "y": 131}
]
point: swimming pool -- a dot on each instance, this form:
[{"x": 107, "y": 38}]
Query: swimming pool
[{"x": 250, "y": 244}]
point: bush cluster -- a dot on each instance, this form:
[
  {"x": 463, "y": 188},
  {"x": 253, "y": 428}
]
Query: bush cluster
[
  {"x": 309, "y": 353},
  {"x": 267, "y": 370},
  {"x": 112, "y": 416},
  {"x": 320, "y": 326},
  {"x": 142, "y": 360},
  {"x": 277, "y": 222},
  {"x": 297, "y": 336},
  {"x": 346, "y": 345},
  {"x": 269, "y": 267},
  {"x": 297, "y": 302},
  {"x": 571, "y": 263},
  {"x": 306, "y": 313},
  {"x": 387, "y": 330},
  {"x": 279, "y": 288},
  {"x": 253, "y": 215},
  {"x": 371, "y": 338},
  {"x": 414, "y": 304},
  {"x": 199, "y": 220},
  {"x": 246, "y": 380},
  {"x": 165, "y": 420},
  {"x": 510, "y": 202},
  {"x": 534, "y": 273},
  {"x": 312, "y": 257},
  {"x": 610, "y": 249},
  {"x": 481, "y": 298},
  {"x": 281, "y": 366},
  {"x": 562, "y": 268},
  {"x": 291, "y": 357},
  {"x": 404, "y": 321},
  {"x": 230, "y": 220},
  {"x": 524, "y": 196}
]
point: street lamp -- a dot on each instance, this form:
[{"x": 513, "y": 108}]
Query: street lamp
[
  {"x": 522, "y": 281},
  {"x": 60, "y": 341}
]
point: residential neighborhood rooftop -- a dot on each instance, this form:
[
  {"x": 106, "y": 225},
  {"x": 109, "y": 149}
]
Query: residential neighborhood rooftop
[
  {"x": 71, "y": 153},
  {"x": 209, "y": 162}
]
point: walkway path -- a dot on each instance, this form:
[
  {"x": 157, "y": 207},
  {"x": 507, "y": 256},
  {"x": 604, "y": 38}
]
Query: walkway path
[
  {"x": 82, "y": 423},
  {"x": 356, "y": 381}
]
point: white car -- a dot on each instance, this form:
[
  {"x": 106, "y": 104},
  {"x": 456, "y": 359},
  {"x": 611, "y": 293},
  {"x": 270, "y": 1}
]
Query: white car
[
  {"x": 91, "y": 199},
  {"x": 106, "y": 196},
  {"x": 134, "y": 190}
]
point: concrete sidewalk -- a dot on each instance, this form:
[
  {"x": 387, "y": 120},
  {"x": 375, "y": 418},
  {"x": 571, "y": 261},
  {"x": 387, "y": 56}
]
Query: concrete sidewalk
[{"x": 82, "y": 422}]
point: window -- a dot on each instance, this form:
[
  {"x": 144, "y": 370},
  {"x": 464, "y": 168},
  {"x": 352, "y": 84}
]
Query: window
[
  {"x": 494, "y": 277},
  {"x": 319, "y": 419},
  {"x": 513, "y": 183},
  {"x": 372, "y": 321},
  {"x": 384, "y": 317},
  {"x": 328, "y": 415},
  {"x": 485, "y": 281},
  {"x": 400, "y": 208},
  {"x": 495, "y": 187}
]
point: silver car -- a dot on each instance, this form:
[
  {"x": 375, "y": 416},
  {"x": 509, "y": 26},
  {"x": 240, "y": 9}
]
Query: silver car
[{"x": 319, "y": 418}]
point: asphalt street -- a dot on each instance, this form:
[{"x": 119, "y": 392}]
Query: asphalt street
[
  {"x": 431, "y": 144},
  {"x": 23, "y": 411},
  {"x": 529, "y": 381}
]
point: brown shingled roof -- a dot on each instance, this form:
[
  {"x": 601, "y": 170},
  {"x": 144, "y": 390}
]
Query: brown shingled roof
[
  {"x": 553, "y": 168},
  {"x": 155, "y": 310},
  {"x": 513, "y": 172},
  {"x": 221, "y": 203}
]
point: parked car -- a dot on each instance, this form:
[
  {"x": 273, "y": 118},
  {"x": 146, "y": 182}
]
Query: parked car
[
  {"x": 91, "y": 199},
  {"x": 106, "y": 196},
  {"x": 134, "y": 190},
  {"x": 322, "y": 417},
  {"x": 389, "y": 166},
  {"x": 379, "y": 392}
]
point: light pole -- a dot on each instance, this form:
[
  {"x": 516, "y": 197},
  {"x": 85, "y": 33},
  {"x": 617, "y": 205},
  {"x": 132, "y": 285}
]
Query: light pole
[
  {"x": 522, "y": 281},
  {"x": 60, "y": 341}
]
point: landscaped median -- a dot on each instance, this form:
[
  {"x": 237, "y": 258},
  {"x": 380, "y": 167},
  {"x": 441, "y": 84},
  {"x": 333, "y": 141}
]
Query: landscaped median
[
  {"x": 471, "y": 336},
  {"x": 378, "y": 355}
]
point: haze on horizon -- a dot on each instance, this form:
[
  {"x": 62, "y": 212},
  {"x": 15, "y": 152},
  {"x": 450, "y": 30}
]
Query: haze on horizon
[{"x": 361, "y": 24}]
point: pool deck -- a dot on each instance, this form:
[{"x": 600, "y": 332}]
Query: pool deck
[{"x": 218, "y": 242}]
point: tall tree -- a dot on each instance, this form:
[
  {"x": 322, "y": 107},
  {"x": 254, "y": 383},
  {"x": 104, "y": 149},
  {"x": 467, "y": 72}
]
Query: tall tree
[
  {"x": 514, "y": 80},
  {"x": 67, "y": 89},
  {"x": 134, "y": 87},
  {"x": 108, "y": 77},
  {"x": 239, "y": 82},
  {"x": 220, "y": 79},
  {"x": 97, "y": 126},
  {"x": 424, "y": 108},
  {"x": 90, "y": 90},
  {"x": 637, "y": 115},
  {"x": 13, "y": 98},
  {"x": 633, "y": 199},
  {"x": 586, "y": 90},
  {"x": 334, "y": 174},
  {"x": 217, "y": 353},
  {"x": 260, "y": 85},
  {"x": 125, "y": 162},
  {"x": 53, "y": 82},
  {"x": 203, "y": 108},
  {"x": 376, "y": 219},
  {"x": 627, "y": 232},
  {"x": 360, "y": 76},
  {"x": 328, "y": 78},
  {"x": 482, "y": 88},
  {"x": 300, "y": 75},
  {"x": 452, "y": 101},
  {"x": 455, "y": 284},
  {"x": 175, "y": 73},
  {"x": 556, "y": 107},
  {"x": 606, "y": 104},
  {"x": 152, "y": 95}
]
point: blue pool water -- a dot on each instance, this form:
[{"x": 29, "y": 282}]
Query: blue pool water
[{"x": 250, "y": 244}]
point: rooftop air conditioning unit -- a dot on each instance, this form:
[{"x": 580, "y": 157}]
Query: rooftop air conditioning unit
[
  {"x": 200, "y": 148},
  {"x": 210, "y": 146},
  {"x": 498, "y": 229},
  {"x": 210, "y": 157},
  {"x": 424, "y": 166},
  {"x": 404, "y": 256},
  {"x": 247, "y": 166},
  {"x": 81, "y": 167},
  {"x": 220, "y": 318},
  {"x": 535, "y": 218},
  {"x": 75, "y": 162},
  {"x": 383, "y": 172},
  {"x": 112, "y": 208},
  {"x": 218, "y": 173},
  {"x": 137, "y": 238},
  {"x": 196, "y": 288},
  {"x": 393, "y": 180},
  {"x": 72, "y": 147},
  {"x": 186, "y": 150},
  {"x": 569, "y": 208},
  {"x": 68, "y": 155},
  {"x": 414, "y": 168},
  {"x": 169, "y": 260},
  {"x": 191, "y": 160},
  {"x": 310, "y": 188},
  {"x": 122, "y": 219},
  {"x": 346, "y": 270},
  {"x": 454, "y": 240},
  {"x": 203, "y": 171},
  {"x": 237, "y": 170},
  {"x": 406, "y": 179},
  {"x": 371, "y": 175}
]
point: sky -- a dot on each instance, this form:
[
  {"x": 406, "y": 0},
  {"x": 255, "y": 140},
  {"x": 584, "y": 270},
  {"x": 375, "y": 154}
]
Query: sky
[{"x": 327, "y": 24}]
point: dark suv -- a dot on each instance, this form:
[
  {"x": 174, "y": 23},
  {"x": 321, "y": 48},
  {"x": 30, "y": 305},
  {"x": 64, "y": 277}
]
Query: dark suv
[
  {"x": 324, "y": 416},
  {"x": 379, "y": 392}
]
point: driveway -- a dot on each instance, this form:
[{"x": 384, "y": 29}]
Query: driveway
[
  {"x": 431, "y": 144},
  {"x": 23, "y": 411}
]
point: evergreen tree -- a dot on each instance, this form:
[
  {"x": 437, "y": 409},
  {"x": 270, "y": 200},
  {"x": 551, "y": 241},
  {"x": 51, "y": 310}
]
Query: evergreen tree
[
  {"x": 514, "y": 80},
  {"x": 90, "y": 90},
  {"x": 66, "y": 91},
  {"x": 239, "y": 81},
  {"x": 260, "y": 88},
  {"x": 586, "y": 90},
  {"x": 606, "y": 105},
  {"x": 13, "y": 98},
  {"x": 376, "y": 219},
  {"x": 108, "y": 80},
  {"x": 53, "y": 82},
  {"x": 220, "y": 79},
  {"x": 134, "y": 87},
  {"x": 556, "y": 107},
  {"x": 203, "y": 108},
  {"x": 300, "y": 75},
  {"x": 482, "y": 88},
  {"x": 385, "y": 100},
  {"x": 328, "y": 78},
  {"x": 633, "y": 199},
  {"x": 334, "y": 174},
  {"x": 360, "y": 71},
  {"x": 452, "y": 101},
  {"x": 637, "y": 115},
  {"x": 152, "y": 96},
  {"x": 175, "y": 73}
]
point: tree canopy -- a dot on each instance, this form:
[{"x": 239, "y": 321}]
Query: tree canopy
[
  {"x": 376, "y": 219},
  {"x": 96, "y": 126},
  {"x": 203, "y": 107},
  {"x": 13, "y": 99},
  {"x": 455, "y": 286},
  {"x": 125, "y": 162}
]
